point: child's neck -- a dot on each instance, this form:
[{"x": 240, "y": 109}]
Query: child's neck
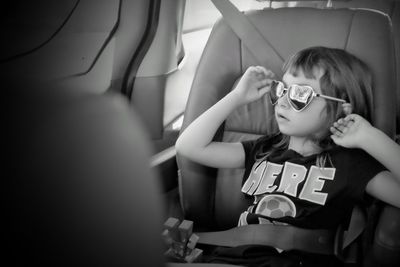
[{"x": 303, "y": 146}]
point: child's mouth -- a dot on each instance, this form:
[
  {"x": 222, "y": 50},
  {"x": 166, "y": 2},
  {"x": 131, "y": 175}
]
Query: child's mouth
[{"x": 281, "y": 117}]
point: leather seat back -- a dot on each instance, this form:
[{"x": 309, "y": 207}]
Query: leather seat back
[
  {"x": 81, "y": 181},
  {"x": 392, "y": 8}
]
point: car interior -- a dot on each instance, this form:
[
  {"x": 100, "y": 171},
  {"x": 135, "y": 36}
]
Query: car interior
[{"x": 100, "y": 90}]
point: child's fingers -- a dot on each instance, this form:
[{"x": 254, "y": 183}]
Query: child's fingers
[
  {"x": 336, "y": 132},
  {"x": 267, "y": 72},
  {"x": 339, "y": 121},
  {"x": 350, "y": 123},
  {"x": 259, "y": 69},
  {"x": 337, "y": 140},
  {"x": 345, "y": 122},
  {"x": 351, "y": 117},
  {"x": 339, "y": 126},
  {"x": 263, "y": 72},
  {"x": 334, "y": 138},
  {"x": 263, "y": 83},
  {"x": 262, "y": 91},
  {"x": 260, "y": 84},
  {"x": 258, "y": 73},
  {"x": 260, "y": 76},
  {"x": 252, "y": 70},
  {"x": 347, "y": 126}
]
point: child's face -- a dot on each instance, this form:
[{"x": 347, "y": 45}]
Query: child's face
[{"x": 310, "y": 121}]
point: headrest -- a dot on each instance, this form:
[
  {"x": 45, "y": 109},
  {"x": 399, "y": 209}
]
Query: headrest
[{"x": 366, "y": 34}]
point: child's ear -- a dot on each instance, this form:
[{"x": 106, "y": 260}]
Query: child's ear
[{"x": 347, "y": 108}]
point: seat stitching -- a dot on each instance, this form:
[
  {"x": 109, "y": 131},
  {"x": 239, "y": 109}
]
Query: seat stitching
[{"x": 241, "y": 55}]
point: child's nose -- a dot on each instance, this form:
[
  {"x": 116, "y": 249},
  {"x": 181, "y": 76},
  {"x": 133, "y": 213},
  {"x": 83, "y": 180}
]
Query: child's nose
[{"x": 283, "y": 102}]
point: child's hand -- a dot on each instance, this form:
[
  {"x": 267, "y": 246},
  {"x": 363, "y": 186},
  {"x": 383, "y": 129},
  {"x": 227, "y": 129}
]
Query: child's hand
[
  {"x": 351, "y": 132},
  {"x": 254, "y": 83}
]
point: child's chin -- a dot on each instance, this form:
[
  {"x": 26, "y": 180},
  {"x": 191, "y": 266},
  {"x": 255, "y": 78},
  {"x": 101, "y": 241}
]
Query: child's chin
[
  {"x": 291, "y": 132},
  {"x": 285, "y": 130}
]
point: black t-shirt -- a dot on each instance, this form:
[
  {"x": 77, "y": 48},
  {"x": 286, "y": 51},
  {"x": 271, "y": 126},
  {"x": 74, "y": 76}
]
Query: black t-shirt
[{"x": 289, "y": 188}]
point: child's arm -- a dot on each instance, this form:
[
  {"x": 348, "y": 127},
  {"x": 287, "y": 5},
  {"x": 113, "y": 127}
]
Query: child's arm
[
  {"x": 196, "y": 143},
  {"x": 355, "y": 132}
]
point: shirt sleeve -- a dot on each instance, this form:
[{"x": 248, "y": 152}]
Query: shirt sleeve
[
  {"x": 251, "y": 148},
  {"x": 363, "y": 168},
  {"x": 248, "y": 147}
]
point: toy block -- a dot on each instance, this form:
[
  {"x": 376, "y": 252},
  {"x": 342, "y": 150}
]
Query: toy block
[
  {"x": 167, "y": 238},
  {"x": 194, "y": 256},
  {"x": 179, "y": 249},
  {"x": 172, "y": 226},
  {"x": 171, "y": 256},
  {"x": 193, "y": 241},
  {"x": 169, "y": 253},
  {"x": 185, "y": 230},
  {"x": 181, "y": 241},
  {"x": 171, "y": 222}
]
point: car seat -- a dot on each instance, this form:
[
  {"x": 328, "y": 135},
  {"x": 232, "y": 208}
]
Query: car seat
[
  {"x": 78, "y": 191},
  {"x": 211, "y": 197},
  {"x": 392, "y": 8}
]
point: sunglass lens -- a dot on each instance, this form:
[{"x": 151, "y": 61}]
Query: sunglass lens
[
  {"x": 276, "y": 91},
  {"x": 300, "y": 96}
]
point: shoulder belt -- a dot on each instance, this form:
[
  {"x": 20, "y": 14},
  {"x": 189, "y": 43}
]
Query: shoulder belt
[{"x": 256, "y": 43}]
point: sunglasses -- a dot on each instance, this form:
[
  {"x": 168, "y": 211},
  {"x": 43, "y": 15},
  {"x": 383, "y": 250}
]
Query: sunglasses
[{"x": 299, "y": 96}]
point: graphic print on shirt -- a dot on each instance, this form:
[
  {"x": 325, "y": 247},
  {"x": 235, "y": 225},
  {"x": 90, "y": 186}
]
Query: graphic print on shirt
[
  {"x": 295, "y": 180},
  {"x": 276, "y": 206}
]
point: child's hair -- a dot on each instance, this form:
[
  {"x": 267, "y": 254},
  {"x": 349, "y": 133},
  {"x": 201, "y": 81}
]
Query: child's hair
[{"x": 344, "y": 76}]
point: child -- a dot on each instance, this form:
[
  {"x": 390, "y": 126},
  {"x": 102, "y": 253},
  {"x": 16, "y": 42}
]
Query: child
[{"x": 322, "y": 160}]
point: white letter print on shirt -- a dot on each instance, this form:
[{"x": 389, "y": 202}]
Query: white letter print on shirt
[
  {"x": 254, "y": 179},
  {"x": 267, "y": 182},
  {"x": 314, "y": 182},
  {"x": 263, "y": 175},
  {"x": 292, "y": 175}
]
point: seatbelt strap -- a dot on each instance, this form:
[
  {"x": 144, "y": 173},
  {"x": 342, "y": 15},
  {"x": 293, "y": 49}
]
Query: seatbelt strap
[
  {"x": 284, "y": 237},
  {"x": 260, "y": 47},
  {"x": 344, "y": 239},
  {"x": 287, "y": 237},
  {"x": 357, "y": 225}
]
